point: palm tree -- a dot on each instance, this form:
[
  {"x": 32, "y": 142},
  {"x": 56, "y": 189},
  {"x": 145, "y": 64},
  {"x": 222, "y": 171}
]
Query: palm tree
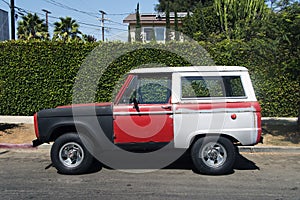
[
  {"x": 66, "y": 29},
  {"x": 32, "y": 27}
]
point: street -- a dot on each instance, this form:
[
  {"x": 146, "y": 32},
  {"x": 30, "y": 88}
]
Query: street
[{"x": 23, "y": 175}]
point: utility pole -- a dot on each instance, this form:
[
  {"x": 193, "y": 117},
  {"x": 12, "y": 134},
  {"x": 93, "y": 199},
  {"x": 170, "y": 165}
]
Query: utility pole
[
  {"x": 12, "y": 19},
  {"x": 102, "y": 20},
  {"x": 46, "y": 12}
]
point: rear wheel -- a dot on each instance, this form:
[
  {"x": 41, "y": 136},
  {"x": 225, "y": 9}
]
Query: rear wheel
[
  {"x": 69, "y": 156},
  {"x": 213, "y": 155}
]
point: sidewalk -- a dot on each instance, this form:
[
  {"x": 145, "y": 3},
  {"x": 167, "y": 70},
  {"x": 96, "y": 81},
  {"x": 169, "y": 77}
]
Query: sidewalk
[{"x": 16, "y": 119}]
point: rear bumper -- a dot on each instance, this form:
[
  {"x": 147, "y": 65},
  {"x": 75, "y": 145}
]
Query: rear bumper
[{"x": 261, "y": 140}]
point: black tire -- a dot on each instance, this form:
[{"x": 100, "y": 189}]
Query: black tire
[
  {"x": 213, "y": 155},
  {"x": 69, "y": 156}
]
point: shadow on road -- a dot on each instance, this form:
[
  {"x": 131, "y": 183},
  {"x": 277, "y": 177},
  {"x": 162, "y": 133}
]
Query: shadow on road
[
  {"x": 241, "y": 163},
  {"x": 185, "y": 163}
]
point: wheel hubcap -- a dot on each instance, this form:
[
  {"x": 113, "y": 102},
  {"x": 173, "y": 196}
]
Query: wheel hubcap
[
  {"x": 213, "y": 154},
  {"x": 71, "y": 155}
]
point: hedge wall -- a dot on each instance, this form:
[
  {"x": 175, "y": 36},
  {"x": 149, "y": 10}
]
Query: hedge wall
[
  {"x": 36, "y": 75},
  {"x": 277, "y": 90}
]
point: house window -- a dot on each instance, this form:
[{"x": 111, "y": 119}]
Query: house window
[
  {"x": 158, "y": 31},
  {"x": 149, "y": 34}
]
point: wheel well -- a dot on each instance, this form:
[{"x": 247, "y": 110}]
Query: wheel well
[
  {"x": 62, "y": 130},
  {"x": 232, "y": 139}
]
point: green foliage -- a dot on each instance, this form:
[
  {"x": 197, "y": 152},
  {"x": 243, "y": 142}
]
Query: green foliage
[
  {"x": 67, "y": 29},
  {"x": 168, "y": 25},
  {"x": 236, "y": 16},
  {"x": 266, "y": 41},
  {"x": 32, "y": 27},
  {"x": 36, "y": 75},
  {"x": 138, "y": 30},
  {"x": 180, "y": 5},
  {"x": 275, "y": 87},
  {"x": 201, "y": 24},
  {"x": 176, "y": 27}
]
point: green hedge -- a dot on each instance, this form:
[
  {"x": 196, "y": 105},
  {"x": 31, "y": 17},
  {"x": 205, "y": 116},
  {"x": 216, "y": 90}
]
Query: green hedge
[
  {"x": 277, "y": 90},
  {"x": 36, "y": 75}
]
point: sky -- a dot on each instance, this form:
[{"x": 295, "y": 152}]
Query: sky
[{"x": 86, "y": 13}]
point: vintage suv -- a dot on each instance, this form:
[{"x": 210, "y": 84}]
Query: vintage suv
[{"x": 204, "y": 110}]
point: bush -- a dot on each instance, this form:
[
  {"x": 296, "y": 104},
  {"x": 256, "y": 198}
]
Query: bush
[
  {"x": 36, "y": 75},
  {"x": 276, "y": 89}
]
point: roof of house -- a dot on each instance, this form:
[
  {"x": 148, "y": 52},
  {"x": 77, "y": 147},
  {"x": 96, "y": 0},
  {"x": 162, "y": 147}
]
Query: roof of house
[{"x": 150, "y": 18}]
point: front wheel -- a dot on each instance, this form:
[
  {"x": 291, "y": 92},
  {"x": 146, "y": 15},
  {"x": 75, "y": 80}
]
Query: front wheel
[
  {"x": 213, "y": 155},
  {"x": 69, "y": 156}
]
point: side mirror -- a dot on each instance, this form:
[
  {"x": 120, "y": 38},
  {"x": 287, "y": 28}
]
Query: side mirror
[{"x": 136, "y": 105}]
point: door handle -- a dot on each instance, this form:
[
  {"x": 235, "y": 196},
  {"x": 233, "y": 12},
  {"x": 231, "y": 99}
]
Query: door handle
[{"x": 166, "y": 107}]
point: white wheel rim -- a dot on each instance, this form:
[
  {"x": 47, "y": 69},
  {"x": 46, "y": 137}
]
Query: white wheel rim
[
  {"x": 71, "y": 154},
  {"x": 213, "y": 154}
]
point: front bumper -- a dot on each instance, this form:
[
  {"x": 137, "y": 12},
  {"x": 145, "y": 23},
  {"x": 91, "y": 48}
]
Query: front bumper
[{"x": 36, "y": 143}]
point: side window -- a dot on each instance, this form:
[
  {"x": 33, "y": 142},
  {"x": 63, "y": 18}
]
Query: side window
[
  {"x": 211, "y": 87},
  {"x": 234, "y": 86},
  {"x": 148, "y": 90},
  {"x": 129, "y": 93}
]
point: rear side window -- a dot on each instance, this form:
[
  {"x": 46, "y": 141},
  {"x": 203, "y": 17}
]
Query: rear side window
[{"x": 211, "y": 87}]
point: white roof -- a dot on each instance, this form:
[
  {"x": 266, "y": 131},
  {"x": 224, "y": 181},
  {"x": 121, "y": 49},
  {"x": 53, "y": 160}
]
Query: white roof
[{"x": 189, "y": 69}]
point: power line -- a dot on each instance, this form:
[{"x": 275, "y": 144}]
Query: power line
[
  {"x": 120, "y": 14},
  {"x": 23, "y": 11},
  {"x": 6, "y": 2},
  {"x": 109, "y": 20},
  {"x": 118, "y": 29},
  {"x": 58, "y": 4},
  {"x": 79, "y": 22}
]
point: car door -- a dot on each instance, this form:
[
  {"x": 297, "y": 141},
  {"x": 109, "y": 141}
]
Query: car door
[{"x": 143, "y": 112}]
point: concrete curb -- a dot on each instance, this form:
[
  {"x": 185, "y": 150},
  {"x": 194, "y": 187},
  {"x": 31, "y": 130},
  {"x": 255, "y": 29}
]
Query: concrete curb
[
  {"x": 270, "y": 149},
  {"x": 16, "y": 146},
  {"x": 16, "y": 119}
]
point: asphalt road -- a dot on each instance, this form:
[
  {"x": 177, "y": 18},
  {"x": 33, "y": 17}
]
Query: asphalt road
[{"x": 256, "y": 176}]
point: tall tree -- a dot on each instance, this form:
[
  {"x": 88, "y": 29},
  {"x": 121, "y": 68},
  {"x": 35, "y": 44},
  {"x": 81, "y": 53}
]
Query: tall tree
[
  {"x": 67, "y": 29},
  {"x": 180, "y": 5},
  {"x": 202, "y": 24},
  {"x": 176, "y": 27},
  {"x": 88, "y": 38},
  {"x": 235, "y": 16},
  {"x": 168, "y": 23},
  {"x": 32, "y": 27},
  {"x": 138, "y": 31},
  {"x": 129, "y": 34}
]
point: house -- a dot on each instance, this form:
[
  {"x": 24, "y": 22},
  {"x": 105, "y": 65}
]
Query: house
[
  {"x": 154, "y": 24},
  {"x": 4, "y": 27}
]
